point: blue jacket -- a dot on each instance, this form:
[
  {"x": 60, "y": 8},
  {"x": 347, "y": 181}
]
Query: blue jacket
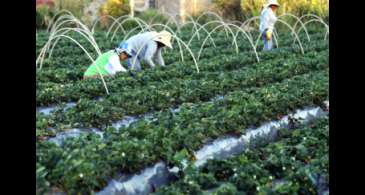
[{"x": 143, "y": 47}]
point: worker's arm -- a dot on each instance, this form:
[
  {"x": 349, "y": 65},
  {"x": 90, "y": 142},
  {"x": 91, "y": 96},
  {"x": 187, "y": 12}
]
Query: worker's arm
[
  {"x": 159, "y": 58},
  {"x": 150, "y": 52}
]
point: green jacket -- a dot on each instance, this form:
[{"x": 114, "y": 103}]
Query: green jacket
[{"x": 100, "y": 63}]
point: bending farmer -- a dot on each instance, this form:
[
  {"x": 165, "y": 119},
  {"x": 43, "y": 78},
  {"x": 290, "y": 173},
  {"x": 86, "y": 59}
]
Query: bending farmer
[
  {"x": 148, "y": 47},
  {"x": 108, "y": 63},
  {"x": 267, "y": 22}
]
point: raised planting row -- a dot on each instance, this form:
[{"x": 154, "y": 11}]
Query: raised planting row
[
  {"x": 85, "y": 164},
  {"x": 69, "y": 60},
  {"x": 64, "y": 57},
  {"x": 74, "y": 73},
  {"x": 66, "y": 47},
  {"x": 296, "y": 164},
  {"x": 106, "y": 42},
  {"x": 49, "y": 93},
  {"x": 152, "y": 177},
  {"x": 185, "y": 35},
  {"x": 65, "y": 74},
  {"x": 163, "y": 95}
]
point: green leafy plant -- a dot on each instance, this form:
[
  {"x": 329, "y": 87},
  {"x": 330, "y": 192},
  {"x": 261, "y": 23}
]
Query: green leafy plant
[
  {"x": 44, "y": 15},
  {"x": 254, "y": 92}
]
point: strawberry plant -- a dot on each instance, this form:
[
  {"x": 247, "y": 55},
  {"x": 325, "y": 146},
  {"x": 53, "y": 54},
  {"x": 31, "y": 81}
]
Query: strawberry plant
[
  {"x": 252, "y": 174},
  {"x": 252, "y": 93}
]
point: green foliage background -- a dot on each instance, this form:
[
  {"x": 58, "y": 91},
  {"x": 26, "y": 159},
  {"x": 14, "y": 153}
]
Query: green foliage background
[
  {"x": 229, "y": 9},
  {"x": 238, "y": 9},
  {"x": 115, "y": 8}
]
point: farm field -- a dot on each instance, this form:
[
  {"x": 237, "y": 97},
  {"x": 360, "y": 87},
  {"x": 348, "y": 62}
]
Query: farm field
[
  {"x": 168, "y": 113},
  {"x": 297, "y": 164}
]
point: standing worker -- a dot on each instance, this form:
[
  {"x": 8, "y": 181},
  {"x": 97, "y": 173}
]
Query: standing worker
[
  {"x": 267, "y": 22},
  {"x": 108, "y": 63},
  {"x": 148, "y": 47}
]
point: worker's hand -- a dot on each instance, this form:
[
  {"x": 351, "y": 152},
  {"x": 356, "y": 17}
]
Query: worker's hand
[{"x": 268, "y": 35}]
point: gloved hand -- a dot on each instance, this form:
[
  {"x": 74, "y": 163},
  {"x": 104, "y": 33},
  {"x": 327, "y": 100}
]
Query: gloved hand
[{"x": 268, "y": 35}]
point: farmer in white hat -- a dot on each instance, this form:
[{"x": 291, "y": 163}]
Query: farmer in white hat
[
  {"x": 108, "y": 64},
  {"x": 267, "y": 22},
  {"x": 148, "y": 47}
]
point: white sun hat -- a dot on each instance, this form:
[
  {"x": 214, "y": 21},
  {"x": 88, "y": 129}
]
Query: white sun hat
[
  {"x": 272, "y": 2},
  {"x": 164, "y": 37}
]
